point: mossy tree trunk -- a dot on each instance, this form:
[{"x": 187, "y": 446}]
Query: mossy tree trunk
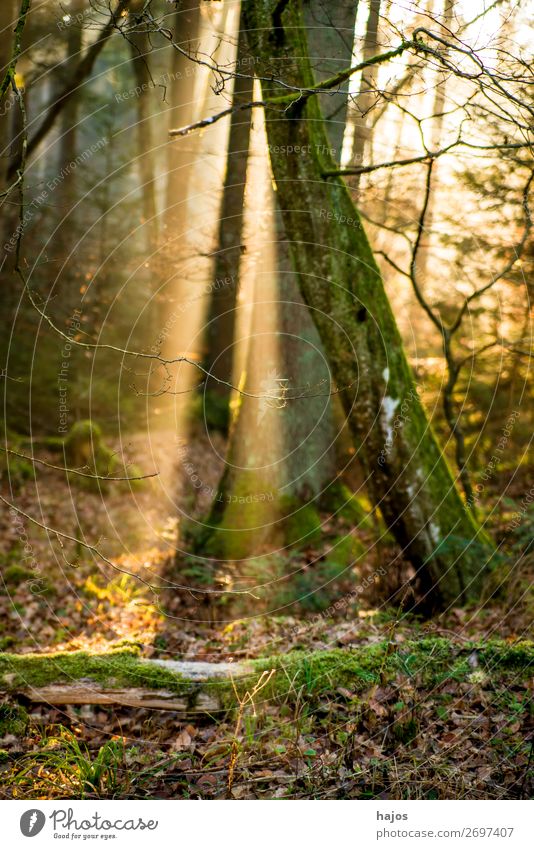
[
  {"x": 123, "y": 677},
  {"x": 11, "y": 15},
  {"x": 268, "y": 493},
  {"x": 408, "y": 477},
  {"x": 308, "y": 426}
]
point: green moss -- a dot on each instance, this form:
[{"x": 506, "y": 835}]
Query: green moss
[
  {"x": 345, "y": 551},
  {"x": 80, "y": 440},
  {"x": 13, "y": 719},
  {"x": 241, "y": 516},
  {"x": 14, "y": 575},
  {"x": 115, "y": 669},
  {"x": 246, "y": 520},
  {"x": 301, "y": 522},
  {"x": 429, "y": 660},
  {"x": 212, "y": 409},
  {"x": 426, "y": 662},
  {"x": 16, "y": 469},
  {"x": 54, "y": 444},
  {"x": 338, "y": 499},
  {"x": 85, "y": 449},
  {"x": 131, "y": 471}
]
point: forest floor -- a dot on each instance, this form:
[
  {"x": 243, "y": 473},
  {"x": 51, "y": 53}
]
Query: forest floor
[{"x": 467, "y": 736}]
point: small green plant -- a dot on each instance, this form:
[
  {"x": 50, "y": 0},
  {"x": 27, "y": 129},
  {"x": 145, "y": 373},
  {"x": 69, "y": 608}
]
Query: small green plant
[
  {"x": 14, "y": 574},
  {"x": 85, "y": 450},
  {"x": 67, "y": 762},
  {"x": 13, "y": 719}
]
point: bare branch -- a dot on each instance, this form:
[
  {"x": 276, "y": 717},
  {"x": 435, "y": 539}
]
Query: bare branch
[{"x": 82, "y": 474}]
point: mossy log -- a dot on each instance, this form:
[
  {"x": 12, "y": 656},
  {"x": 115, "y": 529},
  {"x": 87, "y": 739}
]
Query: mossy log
[{"x": 189, "y": 687}]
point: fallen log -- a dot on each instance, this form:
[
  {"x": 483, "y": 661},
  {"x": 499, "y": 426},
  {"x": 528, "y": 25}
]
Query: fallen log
[
  {"x": 194, "y": 672},
  {"x": 122, "y": 677},
  {"x": 113, "y": 679}
]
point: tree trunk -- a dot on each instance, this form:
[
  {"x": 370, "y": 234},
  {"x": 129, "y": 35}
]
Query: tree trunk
[
  {"x": 140, "y": 49},
  {"x": 220, "y": 326},
  {"x": 269, "y": 488},
  {"x": 330, "y": 29},
  {"x": 181, "y": 158},
  {"x": 68, "y": 194},
  {"x": 408, "y": 477},
  {"x": 440, "y": 82},
  {"x": 307, "y": 425},
  {"x": 7, "y": 25},
  {"x": 367, "y": 94},
  {"x": 181, "y": 153}
]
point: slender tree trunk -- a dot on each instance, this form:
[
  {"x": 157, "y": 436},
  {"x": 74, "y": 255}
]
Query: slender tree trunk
[
  {"x": 409, "y": 479},
  {"x": 7, "y": 25},
  {"x": 220, "y": 325},
  {"x": 367, "y": 93},
  {"x": 181, "y": 158},
  {"x": 10, "y": 148},
  {"x": 438, "y": 109},
  {"x": 181, "y": 151},
  {"x": 68, "y": 142},
  {"x": 140, "y": 50}
]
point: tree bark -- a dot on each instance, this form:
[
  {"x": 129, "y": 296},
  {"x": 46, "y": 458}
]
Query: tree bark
[
  {"x": 7, "y": 25},
  {"x": 367, "y": 94},
  {"x": 68, "y": 142},
  {"x": 408, "y": 476},
  {"x": 330, "y": 30},
  {"x": 140, "y": 49},
  {"x": 220, "y": 326},
  {"x": 268, "y": 491},
  {"x": 181, "y": 153},
  {"x": 436, "y": 135},
  {"x": 308, "y": 426}
]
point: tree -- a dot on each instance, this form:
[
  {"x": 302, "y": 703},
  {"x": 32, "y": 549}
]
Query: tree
[
  {"x": 408, "y": 477},
  {"x": 181, "y": 153},
  {"x": 140, "y": 49},
  {"x": 80, "y": 73},
  {"x": 220, "y": 324},
  {"x": 296, "y": 466},
  {"x": 366, "y": 95}
]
